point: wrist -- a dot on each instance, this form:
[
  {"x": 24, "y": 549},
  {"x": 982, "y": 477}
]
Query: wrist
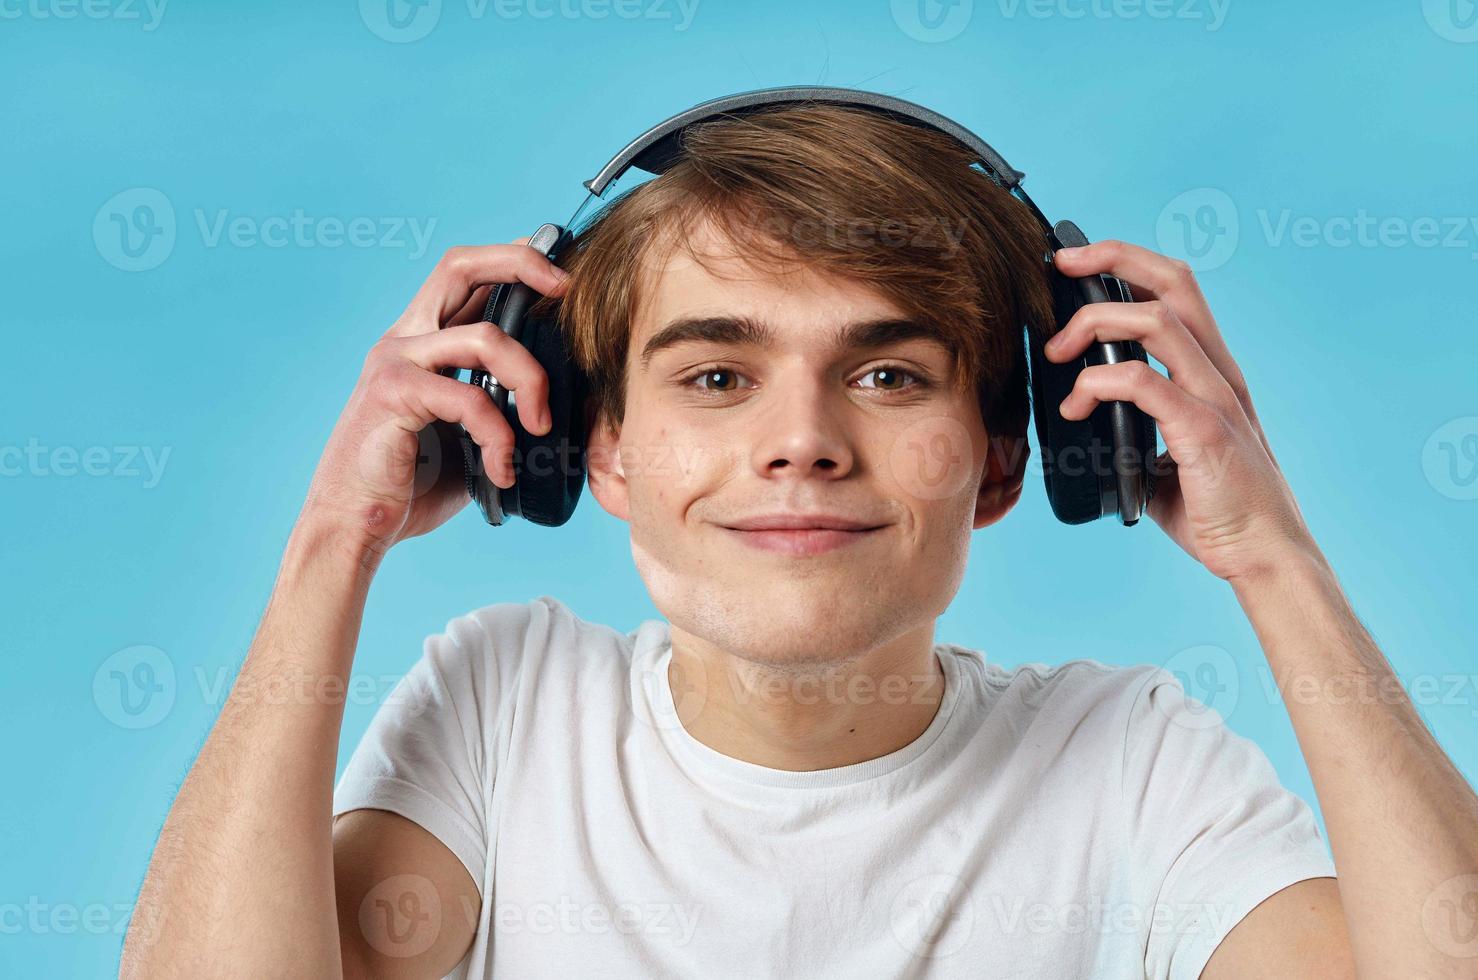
[
  {"x": 319, "y": 541},
  {"x": 1289, "y": 569}
]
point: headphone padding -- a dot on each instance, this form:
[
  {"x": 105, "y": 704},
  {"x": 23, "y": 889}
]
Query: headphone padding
[{"x": 550, "y": 469}]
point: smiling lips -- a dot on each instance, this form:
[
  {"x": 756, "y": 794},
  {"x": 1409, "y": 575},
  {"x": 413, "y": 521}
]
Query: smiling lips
[{"x": 801, "y": 534}]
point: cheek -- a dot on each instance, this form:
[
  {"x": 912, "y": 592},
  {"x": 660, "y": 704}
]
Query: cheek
[
  {"x": 932, "y": 460},
  {"x": 666, "y": 468}
]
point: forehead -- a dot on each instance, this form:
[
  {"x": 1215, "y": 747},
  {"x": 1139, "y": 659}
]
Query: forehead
[{"x": 804, "y": 305}]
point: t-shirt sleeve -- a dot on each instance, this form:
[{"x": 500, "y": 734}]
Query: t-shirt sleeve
[
  {"x": 430, "y": 751},
  {"x": 1211, "y": 830}
]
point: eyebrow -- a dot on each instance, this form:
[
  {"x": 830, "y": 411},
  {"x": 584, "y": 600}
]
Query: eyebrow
[{"x": 742, "y": 331}]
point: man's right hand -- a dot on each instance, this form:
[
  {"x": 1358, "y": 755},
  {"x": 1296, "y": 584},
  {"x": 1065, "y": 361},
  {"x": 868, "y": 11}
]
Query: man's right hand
[{"x": 367, "y": 484}]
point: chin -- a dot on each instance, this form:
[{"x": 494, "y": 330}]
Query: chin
[{"x": 784, "y": 623}]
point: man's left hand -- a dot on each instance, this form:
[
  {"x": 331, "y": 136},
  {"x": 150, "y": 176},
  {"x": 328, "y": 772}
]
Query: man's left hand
[{"x": 1220, "y": 493}]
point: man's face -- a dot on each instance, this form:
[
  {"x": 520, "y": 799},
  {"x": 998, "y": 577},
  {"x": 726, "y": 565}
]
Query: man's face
[{"x": 720, "y": 430}]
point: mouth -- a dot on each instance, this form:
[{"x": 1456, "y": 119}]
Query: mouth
[{"x": 802, "y": 541}]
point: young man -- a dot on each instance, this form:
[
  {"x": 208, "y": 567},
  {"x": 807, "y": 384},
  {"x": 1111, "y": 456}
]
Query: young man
[{"x": 788, "y": 775}]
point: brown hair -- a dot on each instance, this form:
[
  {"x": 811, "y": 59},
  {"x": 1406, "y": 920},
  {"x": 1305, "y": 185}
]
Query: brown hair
[{"x": 840, "y": 190}]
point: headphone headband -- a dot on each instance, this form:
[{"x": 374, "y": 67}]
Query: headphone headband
[{"x": 659, "y": 147}]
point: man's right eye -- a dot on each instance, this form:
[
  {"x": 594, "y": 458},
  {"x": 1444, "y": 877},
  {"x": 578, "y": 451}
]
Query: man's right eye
[{"x": 713, "y": 379}]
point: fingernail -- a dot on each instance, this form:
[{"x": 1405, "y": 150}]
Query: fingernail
[{"x": 1070, "y": 251}]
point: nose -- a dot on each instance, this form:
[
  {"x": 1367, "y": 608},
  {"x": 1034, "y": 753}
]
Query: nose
[{"x": 802, "y": 432}]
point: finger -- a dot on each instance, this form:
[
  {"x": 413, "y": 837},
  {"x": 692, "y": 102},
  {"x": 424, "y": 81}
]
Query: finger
[
  {"x": 1151, "y": 275},
  {"x": 472, "y": 312},
  {"x": 486, "y": 347},
  {"x": 428, "y": 396},
  {"x": 1163, "y": 334},
  {"x": 466, "y": 267},
  {"x": 1183, "y": 419}
]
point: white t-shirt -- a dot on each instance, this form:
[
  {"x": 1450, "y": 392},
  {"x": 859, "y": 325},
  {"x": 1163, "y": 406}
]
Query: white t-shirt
[{"x": 1082, "y": 820}]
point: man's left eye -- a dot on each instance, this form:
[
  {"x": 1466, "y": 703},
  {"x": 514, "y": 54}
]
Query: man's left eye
[{"x": 891, "y": 378}]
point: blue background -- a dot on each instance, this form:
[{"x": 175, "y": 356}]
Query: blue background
[{"x": 235, "y": 358}]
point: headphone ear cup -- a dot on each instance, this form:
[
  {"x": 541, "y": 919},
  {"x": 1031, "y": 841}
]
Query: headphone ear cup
[
  {"x": 549, "y": 470},
  {"x": 1071, "y": 448}
]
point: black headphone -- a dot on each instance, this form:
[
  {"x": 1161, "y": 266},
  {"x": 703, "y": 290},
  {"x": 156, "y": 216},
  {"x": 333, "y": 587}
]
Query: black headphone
[{"x": 1093, "y": 467}]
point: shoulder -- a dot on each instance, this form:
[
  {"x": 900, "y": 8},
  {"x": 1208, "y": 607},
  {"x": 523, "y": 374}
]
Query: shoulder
[
  {"x": 1080, "y": 683},
  {"x": 1085, "y": 702},
  {"x": 533, "y": 637}
]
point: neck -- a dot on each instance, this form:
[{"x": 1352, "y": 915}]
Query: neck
[{"x": 804, "y": 716}]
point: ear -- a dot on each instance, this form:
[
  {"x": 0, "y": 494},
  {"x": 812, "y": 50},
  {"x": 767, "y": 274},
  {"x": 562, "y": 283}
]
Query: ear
[
  {"x": 1000, "y": 485},
  {"x": 603, "y": 468}
]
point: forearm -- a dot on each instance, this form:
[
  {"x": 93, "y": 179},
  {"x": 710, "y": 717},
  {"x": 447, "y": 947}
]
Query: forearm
[
  {"x": 241, "y": 881},
  {"x": 1401, "y": 819}
]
